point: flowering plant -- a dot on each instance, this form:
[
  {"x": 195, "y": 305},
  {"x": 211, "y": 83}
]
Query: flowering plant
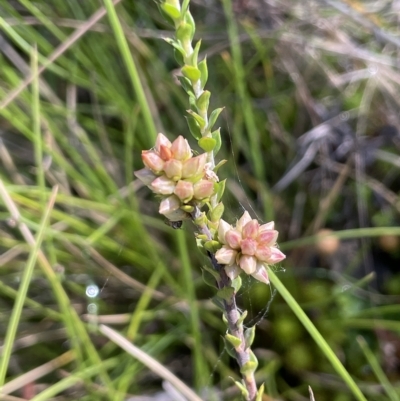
[{"x": 188, "y": 184}]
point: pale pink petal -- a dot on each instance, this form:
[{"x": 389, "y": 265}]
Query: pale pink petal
[
  {"x": 250, "y": 230},
  {"x": 177, "y": 215},
  {"x": 248, "y": 246},
  {"x": 225, "y": 255},
  {"x": 268, "y": 237},
  {"x": 145, "y": 175},
  {"x": 152, "y": 160},
  {"x": 194, "y": 166},
  {"x": 276, "y": 256},
  {"x": 173, "y": 169},
  {"x": 184, "y": 190},
  {"x": 169, "y": 205},
  {"x": 232, "y": 271},
  {"x": 261, "y": 273},
  {"x": 243, "y": 221},
  {"x": 180, "y": 149},
  {"x": 203, "y": 189},
  {"x": 162, "y": 140},
  {"x": 163, "y": 186},
  {"x": 233, "y": 239},
  {"x": 248, "y": 263},
  {"x": 267, "y": 226},
  {"x": 263, "y": 253},
  {"x": 223, "y": 228}
]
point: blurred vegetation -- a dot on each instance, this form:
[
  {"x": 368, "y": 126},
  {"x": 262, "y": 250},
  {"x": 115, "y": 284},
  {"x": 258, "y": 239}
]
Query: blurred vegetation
[{"x": 311, "y": 135}]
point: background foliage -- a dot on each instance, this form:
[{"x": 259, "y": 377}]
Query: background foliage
[{"x": 310, "y": 132}]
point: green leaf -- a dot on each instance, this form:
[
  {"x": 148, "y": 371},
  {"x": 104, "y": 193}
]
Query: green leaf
[
  {"x": 179, "y": 57},
  {"x": 212, "y": 271},
  {"x": 176, "y": 45},
  {"x": 217, "y": 212},
  {"x": 192, "y": 73},
  {"x": 185, "y": 5},
  {"x": 236, "y": 284},
  {"x": 236, "y": 342},
  {"x": 217, "y": 136},
  {"x": 213, "y": 118},
  {"x": 212, "y": 246},
  {"x": 189, "y": 20},
  {"x": 249, "y": 335},
  {"x": 243, "y": 390},
  {"x": 260, "y": 393},
  {"x": 220, "y": 164},
  {"x": 184, "y": 33},
  {"x": 209, "y": 279},
  {"x": 229, "y": 349},
  {"x": 218, "y": 303},
  {"x": 195, "y": 55},
  {"x": 248, "y": 368},
  {"x": 226, "y": 293},
  {"x": 203, "y": 101},
  {"x": 193, "y": 127},
  {"x": 220, "y": 188},
  {"x": 166, "y": 16},
  {"x": 242, "y": 317},
  {"x": 171, "y": 11},
  {"x": 199, "y": 119},
  {"x": 186, "y": 85},
  {"x": 202, "y": 66},
  {"x": 207, "y": 143}
]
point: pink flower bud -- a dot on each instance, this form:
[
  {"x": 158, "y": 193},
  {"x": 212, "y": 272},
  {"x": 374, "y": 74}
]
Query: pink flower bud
[
  {"x": 225, "y": 256},
  {"x": 250, "y": 230},
  {"x": 194, "y": 166},
  {"x": 233, "y": 239},
  {"x": 276, "y": 255},
  {"x": 177, "y": 215},
  {"x": 203, "y": 189},
  {"x": 145, "y": 175},
  {"x": 248, "y": 264},
  {"x": 263, "y": 253},
  {"x": 169, "y": 205},
  {"x": 184, "y": 191},
  {"x": 180, "y": 149},
  {"x": 261, "y": 274},
  {"x": 268, "y": 237},
  {"x": 243, "y": 221},
  {"x": 232, "y": 271},
  {"x": 152, "y": 160},
  {"x": 267, "y": 226},
  {"x": 223, "y": 228},
  {"x": 163, "y": 186},
  {"x": 165, "y": 152},
  {"x": 249, "y": 246},
  {"x": 173, "y": 169},
  {"x": 162, "y": 140}
]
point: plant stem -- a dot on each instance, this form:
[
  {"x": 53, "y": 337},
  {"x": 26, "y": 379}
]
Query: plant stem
[{"x": 232, "y": 314}]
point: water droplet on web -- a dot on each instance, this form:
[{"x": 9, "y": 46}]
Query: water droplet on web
[{"x": 92, "y": 291}]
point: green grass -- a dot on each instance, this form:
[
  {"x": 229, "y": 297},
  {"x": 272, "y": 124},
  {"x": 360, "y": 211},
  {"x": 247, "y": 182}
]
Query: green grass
[{"x": 84, "y": 88}]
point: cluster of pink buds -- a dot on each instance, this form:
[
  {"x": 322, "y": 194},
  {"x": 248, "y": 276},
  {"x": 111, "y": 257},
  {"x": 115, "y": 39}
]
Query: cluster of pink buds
[
  {"x": 248, "y": 247},
  {"x": 172, "y": 172}
]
